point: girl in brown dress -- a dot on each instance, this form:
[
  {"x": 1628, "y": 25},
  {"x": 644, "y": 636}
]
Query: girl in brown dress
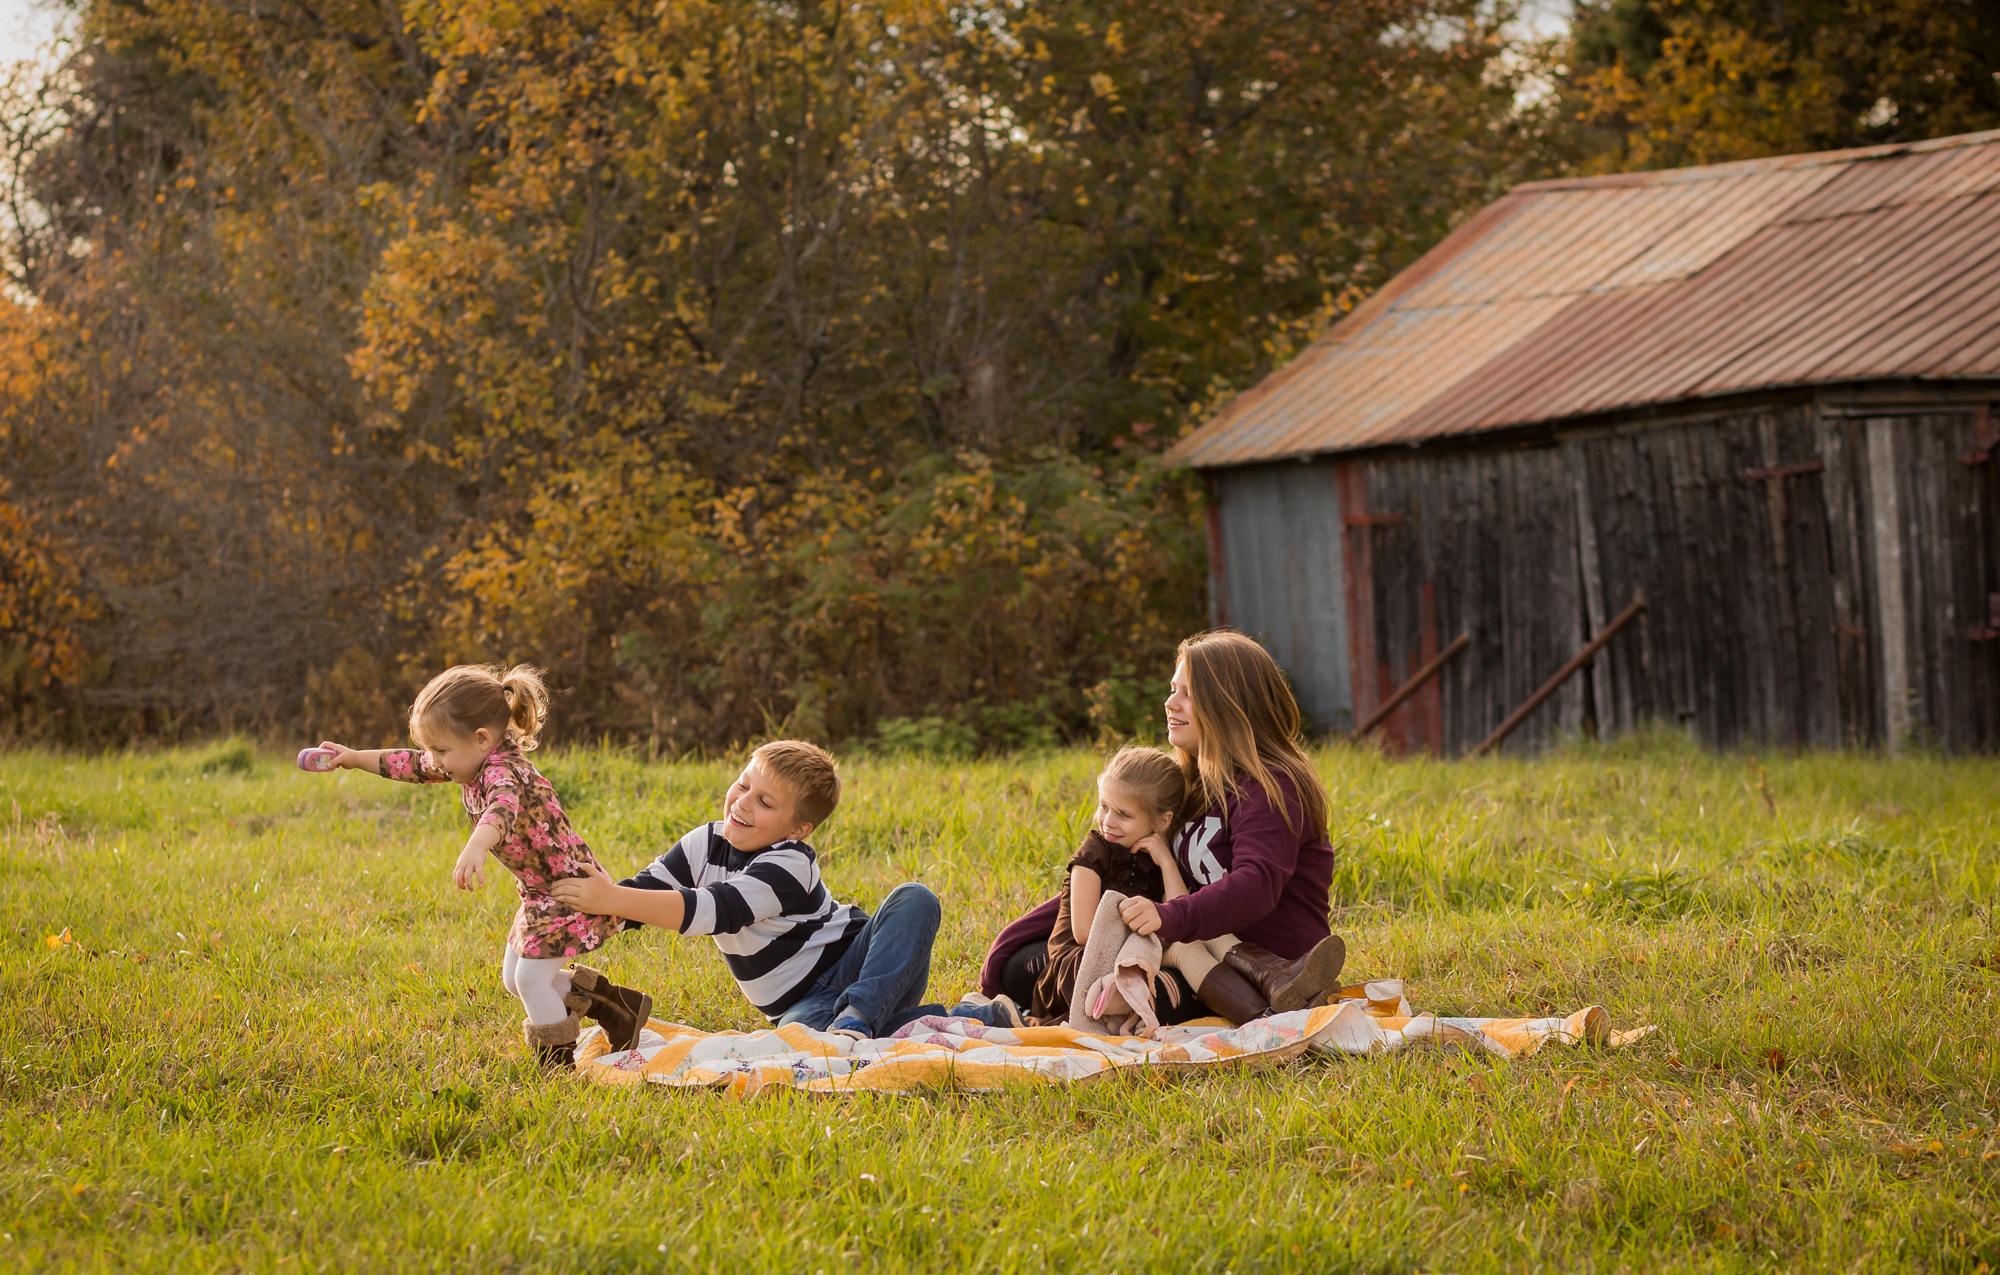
[{"x": 1138, "y": 798}]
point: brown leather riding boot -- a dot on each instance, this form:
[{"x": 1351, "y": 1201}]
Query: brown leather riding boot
[
  {"x": 620, "y": 1011},
  {"x": 1231, "y": 995},
  {"x": 1313, "y": 979}
]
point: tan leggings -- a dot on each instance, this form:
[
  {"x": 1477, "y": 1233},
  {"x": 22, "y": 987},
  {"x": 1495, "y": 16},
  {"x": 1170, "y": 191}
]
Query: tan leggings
[{"x": 1195, "y": 959}]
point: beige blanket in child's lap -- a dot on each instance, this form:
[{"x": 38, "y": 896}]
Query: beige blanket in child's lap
[
  {"x": 1115, "y": 979},
  {"x": 957, "y": 1053}
]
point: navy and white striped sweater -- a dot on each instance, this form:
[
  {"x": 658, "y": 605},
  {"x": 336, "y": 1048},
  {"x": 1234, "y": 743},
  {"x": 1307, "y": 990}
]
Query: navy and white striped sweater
[{"x": 768, "y": 911}]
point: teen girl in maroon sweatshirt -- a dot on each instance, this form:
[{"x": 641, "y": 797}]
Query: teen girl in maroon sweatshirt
[{"x": 1253, "y": 845}]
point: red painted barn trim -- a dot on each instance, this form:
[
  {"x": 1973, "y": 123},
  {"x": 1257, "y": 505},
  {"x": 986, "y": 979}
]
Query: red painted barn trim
[
  {"x": 1350, "y": 484},
  {"x": 1218, "y": 574}
]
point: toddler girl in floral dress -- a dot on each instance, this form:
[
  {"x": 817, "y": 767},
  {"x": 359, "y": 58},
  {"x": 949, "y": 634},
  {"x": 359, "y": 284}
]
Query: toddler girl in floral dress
[{"x": 474, "y": 725}]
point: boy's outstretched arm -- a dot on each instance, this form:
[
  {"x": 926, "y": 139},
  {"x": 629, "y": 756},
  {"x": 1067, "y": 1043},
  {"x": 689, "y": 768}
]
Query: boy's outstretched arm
[{"x": 599, "y": 895}]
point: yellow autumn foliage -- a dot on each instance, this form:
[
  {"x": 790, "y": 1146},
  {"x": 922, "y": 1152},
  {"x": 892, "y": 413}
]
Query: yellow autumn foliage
[{"x": 750, "y": 367}]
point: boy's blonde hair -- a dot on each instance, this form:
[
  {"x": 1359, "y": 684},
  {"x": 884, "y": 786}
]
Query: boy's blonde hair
[
  {"x": 460, "y": 700},
  {"x": 808, "y": 772},
  {"x": 1151, "y": 776}
]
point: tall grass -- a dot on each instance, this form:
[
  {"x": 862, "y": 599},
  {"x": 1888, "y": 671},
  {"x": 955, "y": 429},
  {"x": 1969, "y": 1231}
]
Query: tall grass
[{"x": 276, "y": 1039}]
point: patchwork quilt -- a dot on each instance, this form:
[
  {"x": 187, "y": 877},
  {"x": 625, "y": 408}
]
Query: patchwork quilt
[{"x": 956, "y": 1053}]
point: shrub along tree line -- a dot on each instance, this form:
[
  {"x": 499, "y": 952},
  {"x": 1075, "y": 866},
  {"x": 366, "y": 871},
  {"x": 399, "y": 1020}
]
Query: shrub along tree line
[{"x": 750, "y": 366}]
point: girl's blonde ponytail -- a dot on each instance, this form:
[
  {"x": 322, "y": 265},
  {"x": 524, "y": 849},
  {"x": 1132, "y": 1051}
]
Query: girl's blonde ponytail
[
  {"x": 527, "y": 704},
  {"x": 464, "y": 698}
]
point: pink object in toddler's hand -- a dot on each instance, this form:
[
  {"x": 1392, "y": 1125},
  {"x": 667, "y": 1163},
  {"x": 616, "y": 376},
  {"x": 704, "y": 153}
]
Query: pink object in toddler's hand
[{"x": 320, "y": 759}]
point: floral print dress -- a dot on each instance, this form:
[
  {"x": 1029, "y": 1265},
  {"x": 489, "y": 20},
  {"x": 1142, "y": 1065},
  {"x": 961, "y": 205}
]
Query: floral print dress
[{"x": 536, "y": 845}]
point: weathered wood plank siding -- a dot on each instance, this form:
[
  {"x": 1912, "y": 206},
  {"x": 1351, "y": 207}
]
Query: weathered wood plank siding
[
  {"x": 1943, "y": 524},
  {"x": 1851, "y": 589},
  {"x": 1282, "y": 579},
  {"x": 1485, "y": 544},
  {"x": 1811, "y": 579}
]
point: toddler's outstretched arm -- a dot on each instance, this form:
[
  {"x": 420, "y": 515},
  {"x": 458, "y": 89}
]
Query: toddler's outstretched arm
[
  {"x": 343, "y": 758},
  {"x": 412, "y": 765},
  {"x": 468, "y": 872}
]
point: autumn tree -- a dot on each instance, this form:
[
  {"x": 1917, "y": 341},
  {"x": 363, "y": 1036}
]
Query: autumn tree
[
  {"x": 1664, "y": 83},
  {"x": 751, "y": 366},
  {"x": 194, "y": 249}
]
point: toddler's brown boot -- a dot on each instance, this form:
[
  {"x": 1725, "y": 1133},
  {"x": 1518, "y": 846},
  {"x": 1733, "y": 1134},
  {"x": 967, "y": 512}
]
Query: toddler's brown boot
[
  {"x": 620, "y": 1011},
  {"x": 554, "y": 1043},
  {"x": 1313, "y": 979}
]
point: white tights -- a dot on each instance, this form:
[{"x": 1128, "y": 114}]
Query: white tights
[{"x": 540, "y": 986}]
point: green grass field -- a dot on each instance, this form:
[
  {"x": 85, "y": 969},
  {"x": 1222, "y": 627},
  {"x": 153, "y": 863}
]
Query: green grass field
[{"x": 277, "y": 1040}]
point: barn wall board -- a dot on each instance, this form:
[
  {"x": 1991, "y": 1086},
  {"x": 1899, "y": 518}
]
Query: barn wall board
[
  {"x": 1480, "y": 542},
  {"x": 1816, "y": 575},
  {"x": 1798, "y": 567},
  {"x": 1283, "y": 579},
  {"x": 1933, "y": 521}
]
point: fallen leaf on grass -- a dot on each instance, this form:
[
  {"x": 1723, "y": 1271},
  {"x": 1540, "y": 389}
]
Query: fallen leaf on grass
[{"x": 1774, "y": 1059}]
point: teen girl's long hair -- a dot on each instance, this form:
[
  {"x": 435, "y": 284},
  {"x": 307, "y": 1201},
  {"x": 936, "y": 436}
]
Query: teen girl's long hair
[{"x": 1249, "y": 726}]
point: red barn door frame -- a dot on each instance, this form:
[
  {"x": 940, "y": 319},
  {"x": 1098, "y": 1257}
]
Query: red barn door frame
[{"x": 1418, "y": 723}]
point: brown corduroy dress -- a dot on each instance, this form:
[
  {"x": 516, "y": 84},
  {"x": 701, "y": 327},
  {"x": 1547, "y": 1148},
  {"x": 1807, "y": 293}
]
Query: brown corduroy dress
[{"x": 1119, "y": 868}]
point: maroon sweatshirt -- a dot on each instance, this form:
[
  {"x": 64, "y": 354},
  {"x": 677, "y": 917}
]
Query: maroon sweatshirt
[{"x": 1251, "y": 876}]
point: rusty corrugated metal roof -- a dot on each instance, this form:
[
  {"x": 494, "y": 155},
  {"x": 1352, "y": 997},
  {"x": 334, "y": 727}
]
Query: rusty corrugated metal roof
[{"x": 1572, "y": 297}]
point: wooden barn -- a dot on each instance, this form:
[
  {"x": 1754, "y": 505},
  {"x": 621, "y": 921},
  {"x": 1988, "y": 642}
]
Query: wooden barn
[{"x": 1756, "y": 397}]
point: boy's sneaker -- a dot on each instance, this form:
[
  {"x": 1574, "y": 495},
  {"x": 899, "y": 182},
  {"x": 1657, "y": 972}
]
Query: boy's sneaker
[
  {"x": 998, "y": 1012},
  {"x": 851, "y": 1025}
]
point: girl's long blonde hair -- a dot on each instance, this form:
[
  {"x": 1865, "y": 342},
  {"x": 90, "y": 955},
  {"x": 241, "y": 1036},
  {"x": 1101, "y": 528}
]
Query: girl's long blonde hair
[{"x": 1249, "y": 726}]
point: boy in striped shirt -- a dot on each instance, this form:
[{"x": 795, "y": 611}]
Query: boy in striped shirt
[{"x": 751, "y": 881}]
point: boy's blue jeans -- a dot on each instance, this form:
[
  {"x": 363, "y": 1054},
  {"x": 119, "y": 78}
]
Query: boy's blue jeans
[{"x": 882, "y": 975}]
